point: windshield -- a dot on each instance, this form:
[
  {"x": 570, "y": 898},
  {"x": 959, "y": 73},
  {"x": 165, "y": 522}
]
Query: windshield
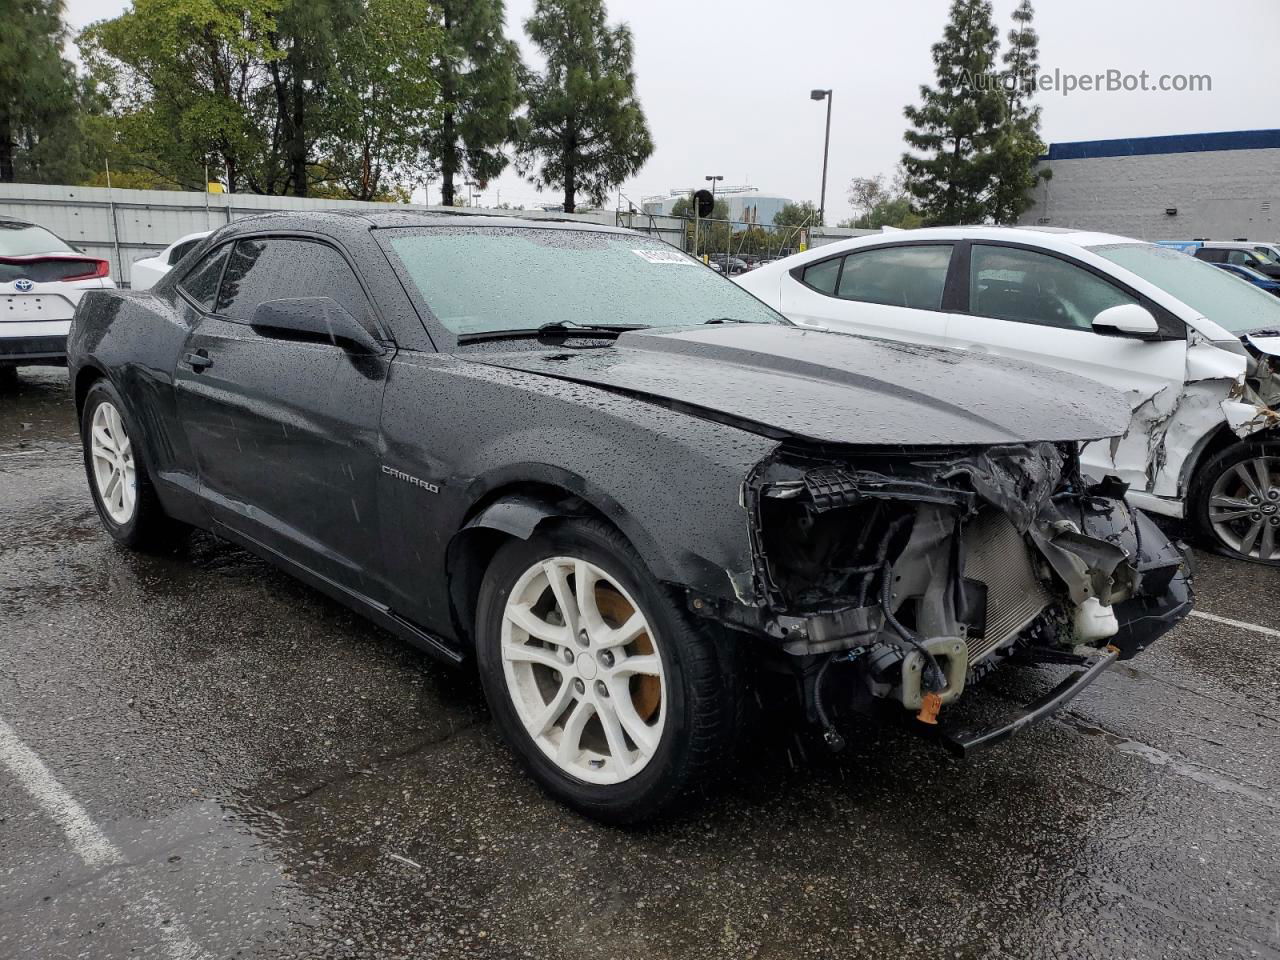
[
  {"x": 19, "y": 239},
  {"x": 1237, "y": 306},
  {"x": 486, "y": 279},
  {"x": 1266, "y": 254}
]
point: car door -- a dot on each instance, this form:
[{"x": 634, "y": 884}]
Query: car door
[
  {"x": 1039, "y": 306},
  {"x": 894, "y": 292},
  {"x": 286, "y": 429}
]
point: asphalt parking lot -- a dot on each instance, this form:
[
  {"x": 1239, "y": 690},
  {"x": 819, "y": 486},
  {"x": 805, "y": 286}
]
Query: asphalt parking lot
[{"x": 202, "y": 758}]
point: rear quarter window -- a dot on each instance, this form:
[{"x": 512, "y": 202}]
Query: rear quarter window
[
  {"x": 201, "y": 282},
  {"x": 822, "y": 276}
]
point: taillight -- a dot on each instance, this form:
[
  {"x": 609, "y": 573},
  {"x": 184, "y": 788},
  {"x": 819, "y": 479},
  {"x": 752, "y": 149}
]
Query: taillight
[
  {"x": 94, "y": 268},
  {"x": 52, "y": 269}
]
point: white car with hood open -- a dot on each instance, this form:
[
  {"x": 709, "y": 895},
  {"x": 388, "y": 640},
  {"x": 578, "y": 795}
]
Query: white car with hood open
[{"x": 1196, "y": 351}]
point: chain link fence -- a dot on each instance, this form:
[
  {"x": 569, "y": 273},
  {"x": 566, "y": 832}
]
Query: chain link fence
[{"x": 733, "y": 245}]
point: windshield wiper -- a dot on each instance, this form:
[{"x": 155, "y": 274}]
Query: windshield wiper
[
  {"x": 555, "y": 329},
  {"x": 724, "y": 320}
]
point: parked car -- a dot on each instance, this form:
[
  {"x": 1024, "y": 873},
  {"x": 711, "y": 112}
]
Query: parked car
[
  {"x": 148, "y": 270},
  {"x": 1249, "y": 275},
  {"x": 615, "y": 480},
  {"x": 1270, "y": 249},
  {"x": 1196, "y": 352},
  {"x": 729, "y": 264},
  {"x": 42, "y": 278},
  {"x": 1239, "y": 253}
]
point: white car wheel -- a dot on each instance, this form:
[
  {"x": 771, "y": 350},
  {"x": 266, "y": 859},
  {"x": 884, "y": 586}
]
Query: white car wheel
[
  {"x": 582, "y": 670},
  {"x": 114, "y": 471}
]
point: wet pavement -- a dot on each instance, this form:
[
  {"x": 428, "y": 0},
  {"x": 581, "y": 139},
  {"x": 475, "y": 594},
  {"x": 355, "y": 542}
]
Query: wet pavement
[{"x": 252, "y": 771}]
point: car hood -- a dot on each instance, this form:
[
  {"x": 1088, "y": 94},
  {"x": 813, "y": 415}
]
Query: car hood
[{"x": 834, "y": 388}]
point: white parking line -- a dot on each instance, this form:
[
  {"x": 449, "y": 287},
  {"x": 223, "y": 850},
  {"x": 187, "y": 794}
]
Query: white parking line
[
  {"x": 1239, "y": 624},
  {"x": 87, "y": 840}
]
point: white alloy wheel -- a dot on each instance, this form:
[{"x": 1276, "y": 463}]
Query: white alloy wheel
[
  {"x": 582, "y": 670},
  {"x": 113, "y": 464}
]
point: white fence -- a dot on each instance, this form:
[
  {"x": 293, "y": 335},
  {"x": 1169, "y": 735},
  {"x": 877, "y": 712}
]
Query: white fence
[{"x": 122, "y": 226}]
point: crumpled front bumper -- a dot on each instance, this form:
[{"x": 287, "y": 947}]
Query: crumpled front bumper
[{"x": 1168, "y": 597}]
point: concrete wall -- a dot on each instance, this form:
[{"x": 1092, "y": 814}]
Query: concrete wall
[{"x": 1221, "y": 195}]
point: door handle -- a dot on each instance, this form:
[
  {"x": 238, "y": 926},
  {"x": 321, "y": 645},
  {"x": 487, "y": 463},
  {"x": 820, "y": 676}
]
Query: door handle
[{"x": 198, "y": 361}]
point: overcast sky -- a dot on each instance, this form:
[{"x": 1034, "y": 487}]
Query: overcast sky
[{"x": 725, "y": 84}]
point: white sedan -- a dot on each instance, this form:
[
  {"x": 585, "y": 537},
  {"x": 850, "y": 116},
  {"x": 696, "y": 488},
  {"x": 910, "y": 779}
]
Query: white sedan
[
  {"x": 1196, "y": 351},
  {"x": 42, "y": 278},
  {"x": 145, "y": 272}
]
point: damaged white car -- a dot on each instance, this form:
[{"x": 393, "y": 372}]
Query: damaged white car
[{"x": 1196, "y": 351}]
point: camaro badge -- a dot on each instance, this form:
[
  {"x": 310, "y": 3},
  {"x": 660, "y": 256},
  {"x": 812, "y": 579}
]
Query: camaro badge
[{"x": 401, "y": 475}]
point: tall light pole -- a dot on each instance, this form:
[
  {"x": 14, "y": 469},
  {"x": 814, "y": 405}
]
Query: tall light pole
[
  {"x": 826, "y": 146},
  {"x": 714, "y": 179}
]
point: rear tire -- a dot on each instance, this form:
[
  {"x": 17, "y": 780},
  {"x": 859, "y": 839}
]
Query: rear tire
[
  {"x": 622, "y": 716},
  {"x": 1236, "y": 501},
  {"x": 122, "y": 490}
]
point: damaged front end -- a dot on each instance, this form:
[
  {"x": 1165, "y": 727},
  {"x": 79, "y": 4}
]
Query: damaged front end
[{"x": 904, "y": 577}]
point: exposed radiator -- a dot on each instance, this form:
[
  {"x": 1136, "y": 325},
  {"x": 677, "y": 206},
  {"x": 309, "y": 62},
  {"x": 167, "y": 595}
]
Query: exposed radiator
[{"x": 998, "y": 556}]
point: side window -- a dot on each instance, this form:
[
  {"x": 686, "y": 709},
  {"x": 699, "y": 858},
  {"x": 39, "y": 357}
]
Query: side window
[
  {"x": 278, "y": 268},
  {"x": 1011, "y": 284},
  {"x": 201, "y": 281},
  {"x": 822, "y": 276},
  {"x": 1212, "y": 256},
  {"x": 911, "y": 276}
]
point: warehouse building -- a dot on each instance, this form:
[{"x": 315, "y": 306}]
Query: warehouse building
[{"x": 1219, "y": 186}]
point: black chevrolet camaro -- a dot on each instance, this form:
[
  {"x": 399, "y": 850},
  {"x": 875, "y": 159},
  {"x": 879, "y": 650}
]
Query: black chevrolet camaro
[{"x": 617, "y": 483}]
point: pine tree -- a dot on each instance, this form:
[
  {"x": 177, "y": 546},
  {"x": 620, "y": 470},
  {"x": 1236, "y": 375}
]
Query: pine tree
[
  {"x": 586, "y": 131},
  {"x": 38, "y": 95},
  {"x": 1019, "y": 145},
  {"x": 479, "y": 74},
  {"x": 956, "y": 127}
]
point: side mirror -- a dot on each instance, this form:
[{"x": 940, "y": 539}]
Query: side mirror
[
  {"x": 1127, "y": 318},
  {"x": 320, "y": 319}
]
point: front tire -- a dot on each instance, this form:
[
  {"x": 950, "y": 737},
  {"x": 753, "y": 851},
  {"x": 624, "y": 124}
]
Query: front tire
[
  {"x": 122, "y": 490},
  {"x": 611, "y": 697},
  {"x": 1236, "y": 504}
]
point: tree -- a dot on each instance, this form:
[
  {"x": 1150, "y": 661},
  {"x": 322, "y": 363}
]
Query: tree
[
  {"x": 585, "y": 129},
  {"x": 384, "y": 97},
  {"x": 274, "y": 96},
  {"x": 880, "y": 204},
  {"x": 797, "y": 215},
  {"x": 303, "y": 78},
  {"x": 39, "y": 133},
  {"x": 184, "y": 83},
  {"x": 949, "y": 168},
  {"x": 1019, "y": 144},
  {"x": 479, "y": 71}
]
